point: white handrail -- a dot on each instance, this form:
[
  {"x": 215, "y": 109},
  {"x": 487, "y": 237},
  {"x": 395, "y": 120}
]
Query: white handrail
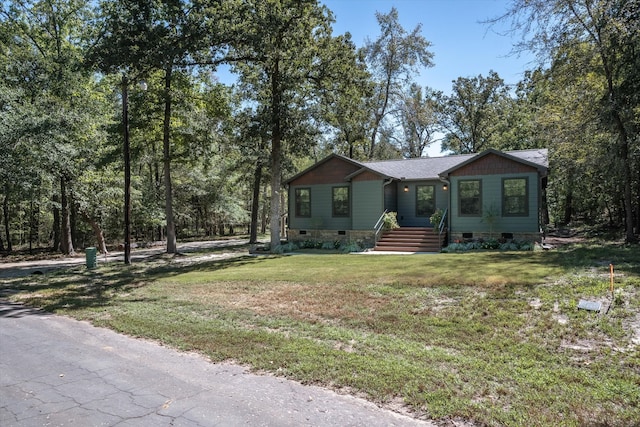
[
  {"x": 379, "y": 224},
  {"x": 442, "y": 224}
]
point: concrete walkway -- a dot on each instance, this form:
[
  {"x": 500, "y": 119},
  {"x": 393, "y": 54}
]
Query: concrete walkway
[{"x": 56, "y": 371}]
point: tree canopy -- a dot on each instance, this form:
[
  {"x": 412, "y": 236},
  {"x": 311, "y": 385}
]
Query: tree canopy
[{"x": 202, "y": 152}]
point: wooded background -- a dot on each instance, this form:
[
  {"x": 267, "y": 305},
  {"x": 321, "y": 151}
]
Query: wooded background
[{"x": 208, "y": 159}]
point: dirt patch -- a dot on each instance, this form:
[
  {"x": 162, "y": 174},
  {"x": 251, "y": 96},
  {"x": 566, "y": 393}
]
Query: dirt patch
[
  {"x": 559, "y": 240},
  {"x": 318, "y": 302}
]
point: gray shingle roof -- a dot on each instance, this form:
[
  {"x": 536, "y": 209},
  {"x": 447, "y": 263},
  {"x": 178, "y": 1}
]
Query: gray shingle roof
[{"x": 431, "y": 167}]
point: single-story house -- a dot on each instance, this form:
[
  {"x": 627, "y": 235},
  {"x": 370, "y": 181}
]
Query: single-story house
[{"x": 492, "y": 194}]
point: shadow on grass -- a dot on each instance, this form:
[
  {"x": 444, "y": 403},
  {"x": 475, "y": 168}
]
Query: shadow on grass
[
  {"x": 78, "y": 288},
  {"x": 223, "y": 247},
  {"x": 579, "y": 256},
  {"x": 626, "y": 257}
]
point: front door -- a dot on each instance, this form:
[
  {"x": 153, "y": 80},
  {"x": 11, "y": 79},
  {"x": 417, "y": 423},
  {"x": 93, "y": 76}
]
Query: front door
[
  {"x": 416, "y": 203},
  {"x": 425, "y": 202}
]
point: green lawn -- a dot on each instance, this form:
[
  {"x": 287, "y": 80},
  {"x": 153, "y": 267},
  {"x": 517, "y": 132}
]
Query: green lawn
[{"x": 491, "y": 337}]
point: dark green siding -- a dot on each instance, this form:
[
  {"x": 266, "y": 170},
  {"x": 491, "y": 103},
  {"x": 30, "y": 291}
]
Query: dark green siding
[
  {"x": 321, "y": 210},
  {"x": 407, "y": 202},
  {"x": 367, "y": 203},
  {"x": 492, "y": 199}
]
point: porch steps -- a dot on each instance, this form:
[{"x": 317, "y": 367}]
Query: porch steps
[{"x": 410, "y": 239}]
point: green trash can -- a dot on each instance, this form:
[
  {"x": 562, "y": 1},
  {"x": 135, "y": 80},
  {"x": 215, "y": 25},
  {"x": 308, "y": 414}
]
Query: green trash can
[{"x": 91, "y": 254}]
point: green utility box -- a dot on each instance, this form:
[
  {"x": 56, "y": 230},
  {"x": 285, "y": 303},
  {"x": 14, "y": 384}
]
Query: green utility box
[{"x": 91, "y": 254}]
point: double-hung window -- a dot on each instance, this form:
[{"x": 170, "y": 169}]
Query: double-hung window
[
  {"x": 303, "y": 202},
  {"x": 470, "y": 197},
  {"x": 425, "y": 200},
  {"x": 515, "y": 197},
  {"x": 340, "y": 201}
]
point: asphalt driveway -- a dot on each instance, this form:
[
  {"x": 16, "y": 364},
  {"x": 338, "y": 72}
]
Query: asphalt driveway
[{"x": 56, "y": 371}]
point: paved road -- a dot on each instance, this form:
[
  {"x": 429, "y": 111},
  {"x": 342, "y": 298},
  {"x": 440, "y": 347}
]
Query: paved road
[
  {"x": 24, "y": 268},
  {"x": 56, "y": 371}
]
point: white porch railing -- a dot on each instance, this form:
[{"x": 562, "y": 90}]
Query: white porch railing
[{"x": 379, "y": 224}]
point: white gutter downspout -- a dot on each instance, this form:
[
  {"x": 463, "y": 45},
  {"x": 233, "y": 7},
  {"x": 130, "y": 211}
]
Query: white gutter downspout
[
  {"x": 448, "y": 184},
  {"x": 384, "y": 184}
]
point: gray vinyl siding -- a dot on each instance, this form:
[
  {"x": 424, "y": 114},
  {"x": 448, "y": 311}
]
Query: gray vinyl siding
[
  {"x": 492, "y": 198},
  {"x": 367, "y": 203},
  {"x": 391, "y": 197},
  {"x": 321, "y": 210},
  {"x": 407, "y": 202}
]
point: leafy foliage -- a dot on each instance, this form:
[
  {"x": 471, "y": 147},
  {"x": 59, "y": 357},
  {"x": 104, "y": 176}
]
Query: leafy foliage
[{"x": 205, "y": 151}]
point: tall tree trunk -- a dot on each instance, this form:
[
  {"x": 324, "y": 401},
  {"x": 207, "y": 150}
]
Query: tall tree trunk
[
  {"x": 5, "y": 212},
  {"x": 628, "y": 197},
  {"x": 638, "y": 200},
  {"x": 1, "y": 240},
  {"x": 171, "y": 226},
  {"x": 608, "y": 66},
  {"x": 545, "y": 205},
  {"x": 56, "y": 222},
  {"x": 255, "y": 204},
  {"x": 73, "y": 221},
  {"x": 276, "y": 157},
  {"x": 97, "y": 231},
  {"x": 31, "y": 225},
  {"x": 126, "y": 152},
  {"x": 265, "y": 211},
  {"x": 568, "y": 207},
  {"x": 66, "y": 243}
]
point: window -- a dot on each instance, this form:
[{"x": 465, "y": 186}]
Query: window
[
  {"x": 470, "y": 197},
  {"x": 425, "y": 200},
  {"x": 340, "y": 201},
  {"x": 303, "y": 202},
  {"x": 515, "y": 200}
]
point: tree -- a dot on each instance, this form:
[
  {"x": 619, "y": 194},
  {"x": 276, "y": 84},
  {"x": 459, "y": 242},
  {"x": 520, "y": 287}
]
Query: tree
[
  {"x": 139, "y": 37},
  {"x": 346, "y": 99},
  {"x": 45, "y": 65},
  {"x": 392, "y": 59},
  {"x": 250, "y": 142},
  {"x": 417, "y": 114},
  {"x": 281, "y": 57},
  {"x": 609, "y": 40},
  {"x": 469, "y": 116},
  {"x": 17, "y": 161}
]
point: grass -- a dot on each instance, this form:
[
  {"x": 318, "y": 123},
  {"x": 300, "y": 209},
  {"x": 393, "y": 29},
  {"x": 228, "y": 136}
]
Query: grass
[{"x": 489, "y": 337}]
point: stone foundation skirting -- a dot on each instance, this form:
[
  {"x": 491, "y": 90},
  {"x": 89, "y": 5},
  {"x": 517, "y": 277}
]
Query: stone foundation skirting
[
  {"x": 475, "y": 236},
  {"x": 364, "y": 238}
]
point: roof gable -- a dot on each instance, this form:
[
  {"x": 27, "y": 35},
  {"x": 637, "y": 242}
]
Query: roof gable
[
  {"x": 332, "y": 169},
  {"x": 337, "y": 169},
  {"x": 499, "y": 162}
]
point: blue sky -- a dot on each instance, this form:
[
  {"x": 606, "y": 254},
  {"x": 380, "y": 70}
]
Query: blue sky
[
  {"x": 463, "y": 47},
  {"x": 461, "y": 44}
]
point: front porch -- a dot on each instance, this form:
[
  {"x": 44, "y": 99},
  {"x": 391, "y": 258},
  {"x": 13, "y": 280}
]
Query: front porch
[{"x": 411, "y": 239}]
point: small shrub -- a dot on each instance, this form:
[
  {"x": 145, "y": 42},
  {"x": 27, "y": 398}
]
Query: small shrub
[
  {"x": 351, "y": 247},
  {"x": 525, "y": 246},
  {"x": 436, "y": 217},
  {"x": 287, "y": 247},
  {"x": 454, "y": 247},
  {"x": 328, "y": 245},
  {"x": 390, "y": 221},
  {"x": 473, "y": 246},
  {"x": 509, "y": 246},
  {"x": 308, "y": 244},
  {"x": 490, "y": 244}
]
